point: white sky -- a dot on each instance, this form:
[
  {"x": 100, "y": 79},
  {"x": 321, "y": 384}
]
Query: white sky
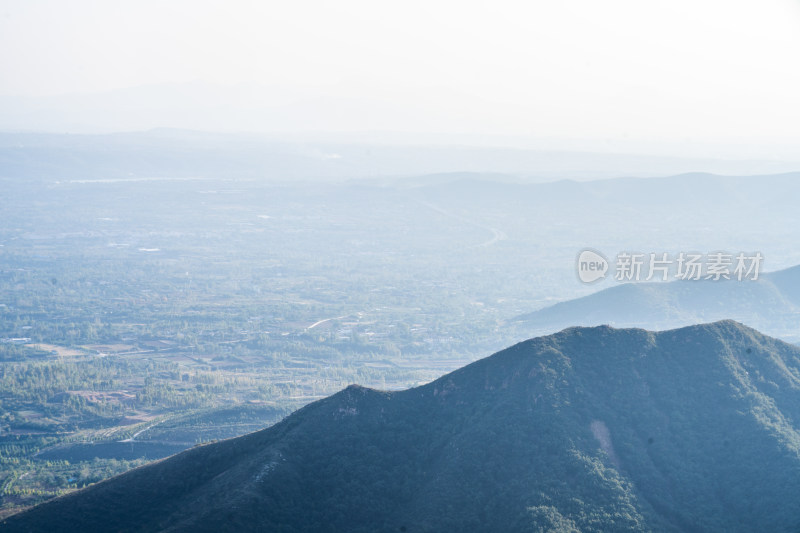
[{"x": 712, "y": 70}]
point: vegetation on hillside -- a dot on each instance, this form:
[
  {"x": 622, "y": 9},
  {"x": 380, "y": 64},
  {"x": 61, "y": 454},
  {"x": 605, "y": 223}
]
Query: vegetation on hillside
[{"x": 590, "y": 429}]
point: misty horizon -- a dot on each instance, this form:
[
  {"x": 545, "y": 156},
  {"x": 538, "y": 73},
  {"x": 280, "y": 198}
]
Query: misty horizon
[
  {"x": 417, "y": 267},
  {"x": 703, "y": 80}
]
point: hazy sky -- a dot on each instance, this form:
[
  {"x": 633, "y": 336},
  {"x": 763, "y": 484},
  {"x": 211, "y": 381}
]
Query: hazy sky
[{"x": 709, "y": 70}]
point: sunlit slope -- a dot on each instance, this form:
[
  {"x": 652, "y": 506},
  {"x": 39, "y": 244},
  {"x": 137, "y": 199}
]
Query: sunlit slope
[{"x": 771, "y": 303}]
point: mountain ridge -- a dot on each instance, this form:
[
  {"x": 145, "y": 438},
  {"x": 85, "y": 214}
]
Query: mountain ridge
[
  {"x": 588, "y": 429},
  {"x": 771, "y": 304}
]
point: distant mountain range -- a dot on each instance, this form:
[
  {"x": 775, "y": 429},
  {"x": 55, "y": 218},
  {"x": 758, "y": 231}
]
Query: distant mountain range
[
  {"x": 771, "y": 304},
  {"x": 590, "y": 429},
  {"x": 179, "y": 153},
  {"x": 382, "y": 115}
]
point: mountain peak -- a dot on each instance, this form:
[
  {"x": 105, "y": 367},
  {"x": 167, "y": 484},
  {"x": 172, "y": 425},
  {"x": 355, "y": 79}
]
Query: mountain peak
[{"x": 596, "y": 428}]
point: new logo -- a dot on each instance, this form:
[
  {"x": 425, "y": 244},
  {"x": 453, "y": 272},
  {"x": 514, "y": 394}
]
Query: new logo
[{"x": 592, "y": 266}]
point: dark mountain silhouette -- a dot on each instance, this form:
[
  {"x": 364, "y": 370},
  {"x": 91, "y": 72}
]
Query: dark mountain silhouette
[
  {"x": 590, "y": 429},
  {"x": 771, "y": 304}
]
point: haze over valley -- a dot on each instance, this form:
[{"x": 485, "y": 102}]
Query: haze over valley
[{"x": 358, "y": 267}]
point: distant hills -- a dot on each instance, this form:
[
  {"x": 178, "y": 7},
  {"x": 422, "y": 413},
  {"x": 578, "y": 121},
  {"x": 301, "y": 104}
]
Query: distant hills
[
  {"x": 166, "y": 152},
  {"x": 771, "y": 304},
  {"x": 590, "y": 429}
]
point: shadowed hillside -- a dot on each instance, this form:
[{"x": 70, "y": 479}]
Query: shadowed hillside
[{"x": 590, "y": 429}]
